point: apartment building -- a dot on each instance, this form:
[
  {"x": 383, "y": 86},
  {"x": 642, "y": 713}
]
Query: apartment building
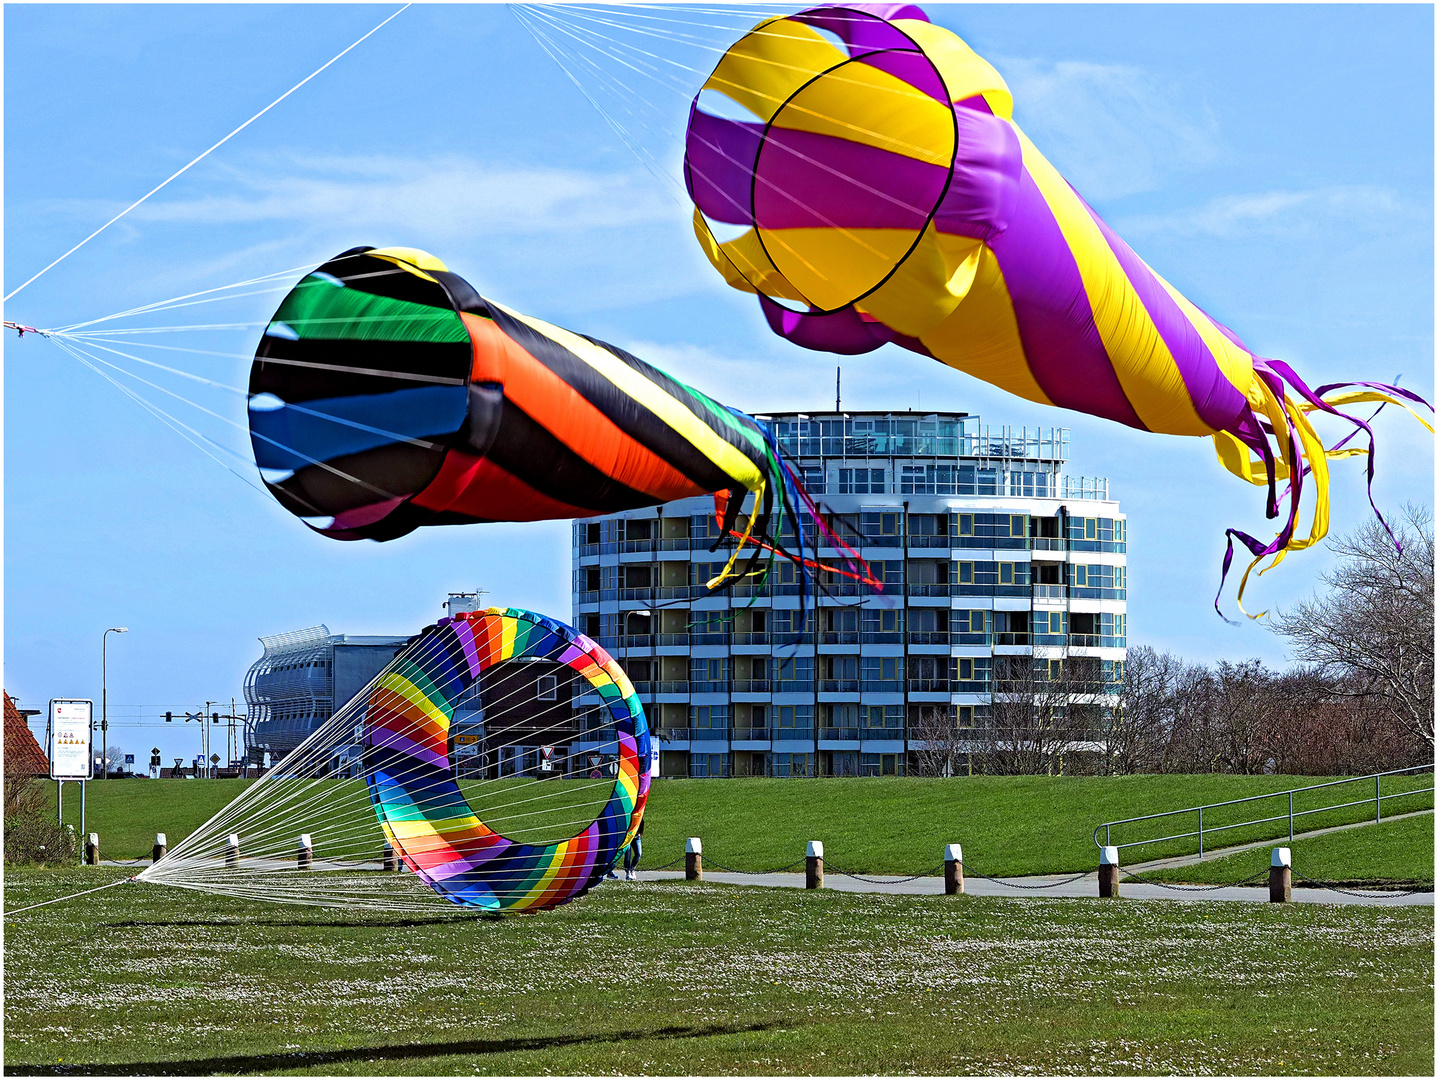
[{"x": 995, "y": 565}]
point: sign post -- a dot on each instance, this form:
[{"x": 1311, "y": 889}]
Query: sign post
[{"x": 72, "y": 739}]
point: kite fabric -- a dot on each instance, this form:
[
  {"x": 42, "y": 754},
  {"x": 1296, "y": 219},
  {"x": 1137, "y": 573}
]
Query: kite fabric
[
  {"x": 881, "y": 192},
  {"x": 412, "y": 786},
  {"x": 386, "y": 394}
]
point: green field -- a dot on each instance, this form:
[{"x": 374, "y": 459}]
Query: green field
[
  {"x": 680, "y": 979},
  {"x": 1007, "y": 825},
  {"x": 1400, "y": 852}
]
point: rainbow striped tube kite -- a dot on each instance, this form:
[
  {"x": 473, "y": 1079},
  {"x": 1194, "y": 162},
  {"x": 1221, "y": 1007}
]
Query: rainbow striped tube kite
[
  {"x": 881, "y": 192},
  {"x": 419, "y": 804},
  {"x": 386, "y": 394}
]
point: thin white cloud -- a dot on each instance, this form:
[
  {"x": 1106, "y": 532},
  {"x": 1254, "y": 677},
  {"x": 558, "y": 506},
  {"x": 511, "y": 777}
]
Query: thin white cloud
[
  {"x": 1283, "y": 213},
  {"x": 1112, "y": 130},
  {"x": 453, "y": 196}
]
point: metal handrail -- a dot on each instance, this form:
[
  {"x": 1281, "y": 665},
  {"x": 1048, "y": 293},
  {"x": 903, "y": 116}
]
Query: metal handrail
[{"x": 1376, "y": 802}]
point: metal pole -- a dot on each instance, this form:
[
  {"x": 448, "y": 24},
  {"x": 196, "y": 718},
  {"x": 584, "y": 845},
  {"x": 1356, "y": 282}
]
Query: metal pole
[
  {"x": 1378, "y": 797},
  {"x": 1290, "y": 817},
  {"x": 1200, "y": 832},
  {"x": 60, "y": 802},
  {"x": 105, "y": 699},
  {"x": 82, "y": 806}
]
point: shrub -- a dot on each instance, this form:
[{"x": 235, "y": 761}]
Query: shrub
[{"x": 30, "y": 838}]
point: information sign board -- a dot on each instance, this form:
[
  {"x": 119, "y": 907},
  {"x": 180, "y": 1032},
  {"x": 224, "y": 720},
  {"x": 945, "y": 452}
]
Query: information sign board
[{"x": 71, "y": 739}]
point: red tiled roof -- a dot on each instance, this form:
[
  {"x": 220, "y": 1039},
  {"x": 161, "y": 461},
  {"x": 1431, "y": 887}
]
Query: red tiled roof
[{"x": 23, "y": 755}]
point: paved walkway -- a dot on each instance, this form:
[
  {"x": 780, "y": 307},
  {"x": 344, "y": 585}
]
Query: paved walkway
[{"x": 1086, "y": 886}]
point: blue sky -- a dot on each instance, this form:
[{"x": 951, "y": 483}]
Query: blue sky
[{"x": 1274, "y": 163}]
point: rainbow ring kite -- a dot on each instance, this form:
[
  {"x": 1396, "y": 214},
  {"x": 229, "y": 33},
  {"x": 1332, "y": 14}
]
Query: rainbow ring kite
[{"x": 420, "y": 806}]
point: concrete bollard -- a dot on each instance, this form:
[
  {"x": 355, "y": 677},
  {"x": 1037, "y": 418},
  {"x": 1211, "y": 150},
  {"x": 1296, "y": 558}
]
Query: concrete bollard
[
  {"x": 1280, "y": 877},
  {"x": 232, "y": 851},
  {"x": 389, "y": 859},
  {"x": 92, "y": 849},
  {"x": 1108, "y": 872},
  {"x": 306, "y": 853},
  {"x": 953, "y": 869},
  {"x": 693, "y": 859},
  {"x": 161, "y": 846},
  {"x": 814, "y": 865}
]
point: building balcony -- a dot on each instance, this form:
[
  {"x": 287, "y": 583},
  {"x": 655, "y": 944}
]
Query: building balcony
[
  {"x": 794, "y": 686},
  {"x": 750, "y": 638},
  {"x": 1012, "y": 639},
  {"x": 708, "y": 686},
  {"x": 646, "y": 595},
  {"x": 882, "y": 541},
  {"x": 673, "y": 734},
  {"x": 882, "y": 637},
  {"x": 928, "y": 637},
  {"x": 928, "y": 588},
  {"x": 839, "y": 637},
  {"x": 756, "y": 734},
  {"x": 717, "y": 734},
  {"x": 1047, "y": 543},
  {"x": 677, "y": 686},
  {"x": 838, "y": 686},
  {"x": 930, "y": 686},
  {"x": 671, "y": 639},
  {"x": 636, "y": 641},
  {"x": 793, "y": 734},
  {"x": 930, "y": 541},
  {"x": 882, "y": 686},
  {"x": 752, "y": 686},
  {"x": 1049, "y": 592},
  {"x": 845, "y": 734}
]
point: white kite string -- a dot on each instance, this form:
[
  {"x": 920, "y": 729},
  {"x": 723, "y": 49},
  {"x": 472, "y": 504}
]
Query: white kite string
[
  {"x": 197, "y": 862},
  {"x": 185, "y": 168}
]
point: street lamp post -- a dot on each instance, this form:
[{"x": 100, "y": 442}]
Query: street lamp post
[{"x": 105, "y": 699}]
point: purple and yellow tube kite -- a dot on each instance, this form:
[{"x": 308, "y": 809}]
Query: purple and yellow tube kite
[{"x": 888, "y": 196}]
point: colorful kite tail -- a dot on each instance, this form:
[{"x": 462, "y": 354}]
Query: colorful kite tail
[{"x": 1283, "y": 415}]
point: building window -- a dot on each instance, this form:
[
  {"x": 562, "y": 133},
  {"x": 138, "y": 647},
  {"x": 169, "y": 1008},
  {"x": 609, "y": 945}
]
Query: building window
[
  {"x": 547, "y": 688},
  {"x": 709, "y": 718},
  {"x": 861, "y": 481},
  {"x": 702, "y": 765}
]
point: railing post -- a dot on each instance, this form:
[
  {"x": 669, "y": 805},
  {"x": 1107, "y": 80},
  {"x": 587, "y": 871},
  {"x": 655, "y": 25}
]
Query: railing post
[
  {"x": 1280, "y": 876},
  {"x": 814, "y": 865},
  {"x": 1378, "y": 797},
  {"x": 693, "y": 859},
  {"x": 1106, "y": 838},
  {"x": 1200, "y": 832},
  {"x": 1108, "y": 872},
  {"x": 1290, "y": 817},
  {"x": 953, "y": 869}
]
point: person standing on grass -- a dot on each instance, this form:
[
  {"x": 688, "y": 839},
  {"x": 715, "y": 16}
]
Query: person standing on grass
[{"x": 634, "y": 852}]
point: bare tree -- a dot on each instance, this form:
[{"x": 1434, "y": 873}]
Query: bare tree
[
  {"x": 934, "y": 733},
  {"x": 1141, "y": 723},
  {"x": 1370, "y": 636},
  {"x": 1041, "y": 710}
]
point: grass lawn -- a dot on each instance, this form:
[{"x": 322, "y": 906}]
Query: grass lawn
[
  {"x": 1007, "y": 825},
  {"x": 1395, "y": 851},
  {"x": 677, "y": 979}
]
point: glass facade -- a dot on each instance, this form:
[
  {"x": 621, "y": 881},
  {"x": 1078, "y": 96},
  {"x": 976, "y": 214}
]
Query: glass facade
[{"x": 991, "y": 558}]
